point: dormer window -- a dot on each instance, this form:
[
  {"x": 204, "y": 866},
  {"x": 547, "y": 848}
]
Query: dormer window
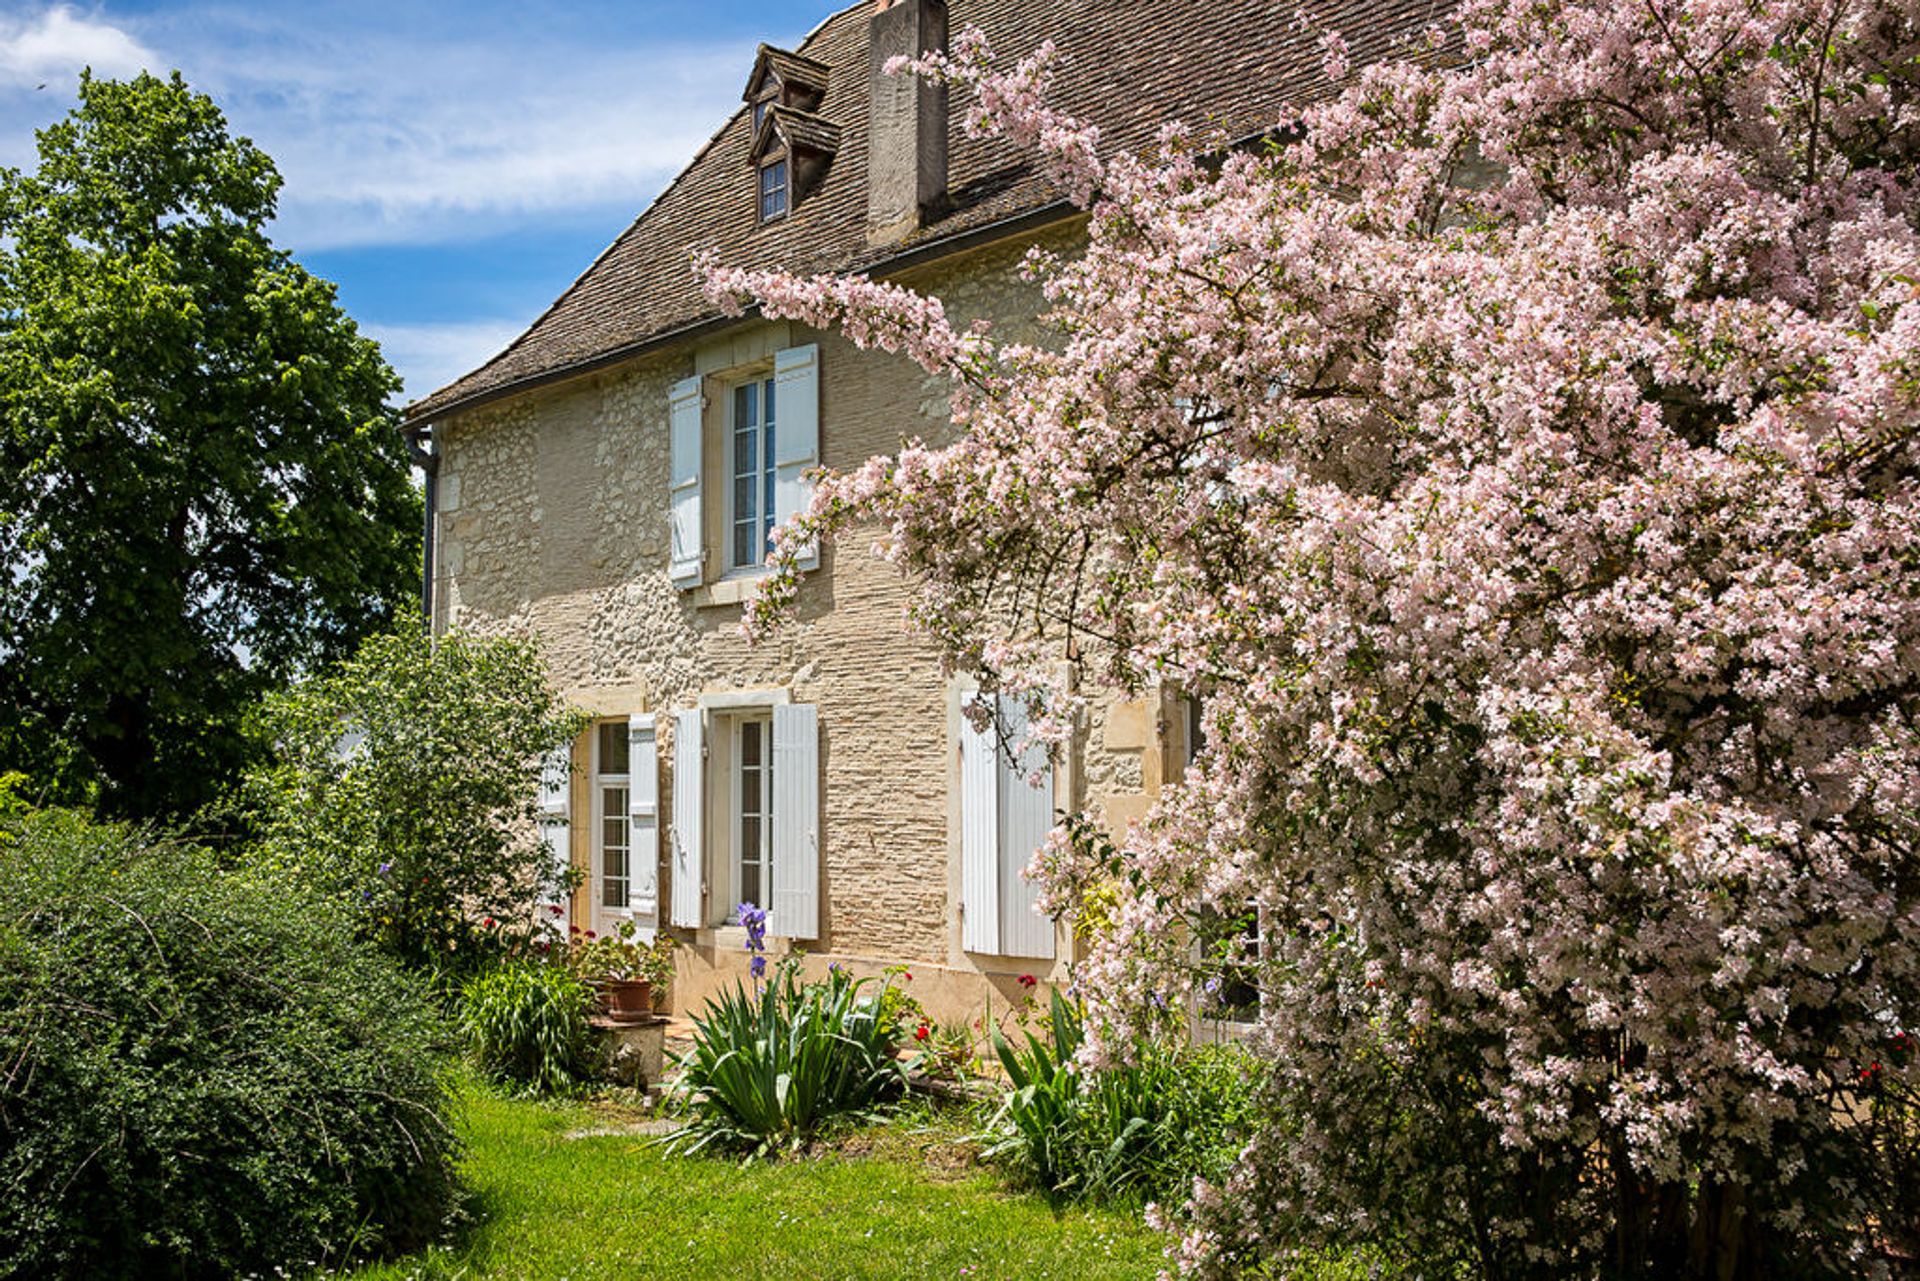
[
  {"x": 773, "y": 189},
  {"x": 791, "y": 144}
]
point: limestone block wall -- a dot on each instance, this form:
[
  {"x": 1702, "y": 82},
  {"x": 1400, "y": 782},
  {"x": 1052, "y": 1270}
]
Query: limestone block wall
[{"x": 554, "y": 522}]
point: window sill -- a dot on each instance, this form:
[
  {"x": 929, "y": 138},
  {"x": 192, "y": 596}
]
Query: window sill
[{"x": 736, "y": 589}]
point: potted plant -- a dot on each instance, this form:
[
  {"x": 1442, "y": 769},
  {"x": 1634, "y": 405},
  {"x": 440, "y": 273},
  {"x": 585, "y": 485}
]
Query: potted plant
[
  {"x": 616, "y": 966},
  {"x": 656, "y": 966}
]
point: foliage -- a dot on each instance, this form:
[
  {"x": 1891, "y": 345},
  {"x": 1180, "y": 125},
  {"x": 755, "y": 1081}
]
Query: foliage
[
  {"x": 202, "y": 490},
  {"x": 204, "y": 1074},
  {"x": 1519, "y": 460},
  {"x": 569, "y": 1192},
  {"x": 526, "y": 1025},
  {"x": 620, "y": 954},
  {"x": 768, "y": 1070},
  {"x": 1139, "y": 1131},
  {"x": 405, "y": 784}
]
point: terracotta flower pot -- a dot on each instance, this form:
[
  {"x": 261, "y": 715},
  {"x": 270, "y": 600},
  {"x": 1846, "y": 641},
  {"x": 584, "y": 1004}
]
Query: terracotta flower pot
[{"x": 627, "y": 1000}]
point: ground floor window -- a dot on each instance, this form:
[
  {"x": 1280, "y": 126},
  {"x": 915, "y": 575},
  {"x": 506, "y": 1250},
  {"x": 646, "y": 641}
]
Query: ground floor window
[
  {"x": 752, "y": 808},
  {"x": 612, "y": 828}
]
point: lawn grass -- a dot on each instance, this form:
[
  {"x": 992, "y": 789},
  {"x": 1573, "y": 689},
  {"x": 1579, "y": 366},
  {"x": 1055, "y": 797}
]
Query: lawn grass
[{"x": 553, "y": 1202}]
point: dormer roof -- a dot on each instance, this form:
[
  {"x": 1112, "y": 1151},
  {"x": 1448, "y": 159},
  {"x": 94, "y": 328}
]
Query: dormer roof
[
  {"x": 797, "y": 131},
  {"x": 793, "y": 72}
]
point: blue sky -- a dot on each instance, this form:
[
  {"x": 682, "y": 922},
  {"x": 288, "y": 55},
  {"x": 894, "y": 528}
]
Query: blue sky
[{"x": 452, "y": 167}]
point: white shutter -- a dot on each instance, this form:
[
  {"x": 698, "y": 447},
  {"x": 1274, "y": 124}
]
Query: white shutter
[
  {"x": 796, "y": 436},
  {"x": 556, "y": 790},
  {"x": 1026, "y": 816},
  {"x": 643, "y": 813},
  {"x": 689, "y": 805},
  {"x": 796, "y": 822},
  {"x": 979, "y": 838},
  {"x": 685, "y": 409}
]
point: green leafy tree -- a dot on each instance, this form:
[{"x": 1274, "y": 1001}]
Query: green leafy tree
[
  {"x": 405, "y": 784},
  {"x": 202, "y": 490}
]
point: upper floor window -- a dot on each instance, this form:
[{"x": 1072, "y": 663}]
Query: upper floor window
[
  {"x": 773, "y": 190},
  {"x": 735, "y": 477},
  {"x": 750, "y": 513}
]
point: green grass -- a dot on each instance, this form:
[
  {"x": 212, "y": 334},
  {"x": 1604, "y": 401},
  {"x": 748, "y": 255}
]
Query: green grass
[{"x": 887, "y": 1203}]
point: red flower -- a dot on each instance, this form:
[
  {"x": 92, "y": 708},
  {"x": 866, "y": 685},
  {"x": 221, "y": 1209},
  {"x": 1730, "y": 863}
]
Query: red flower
[
  {"x": 573, "y": 929},
  {"x": 557, "y": 910},
  {"x": 1027, "y": 980},
  {"x": 489, "y": 922},
  {"x": 907, "y": 975},
  {"x": 921, "y": 1033},
  {"x": 592, "y": 935}
]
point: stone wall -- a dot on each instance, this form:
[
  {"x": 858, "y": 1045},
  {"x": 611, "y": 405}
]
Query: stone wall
[{"x": 554, "y": 521}]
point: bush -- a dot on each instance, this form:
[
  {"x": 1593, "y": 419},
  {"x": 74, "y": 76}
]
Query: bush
[
  {"x": 1141, "y": 1131},
  {"x": 768, "y": 1071},
  {"x": 526, "y": 1024},
  {"x": 203, "y": 1074},
  {"x": 406, "y": 783}
]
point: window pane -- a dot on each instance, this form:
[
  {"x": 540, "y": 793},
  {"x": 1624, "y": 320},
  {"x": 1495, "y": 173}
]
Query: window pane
[
  {"x": 768, "y": 387},
  {"x": 613, "y": 747},
  {"x": 743, "y": 543},
  {"x": 746, "y": 407},
  {"x": 750, "y": 884},
  {"x": 615, "y": 837},
  {"x": 750, "y": 743},
  {"x": 745, "y": 449},
  {"x": 743, "y": 508}
]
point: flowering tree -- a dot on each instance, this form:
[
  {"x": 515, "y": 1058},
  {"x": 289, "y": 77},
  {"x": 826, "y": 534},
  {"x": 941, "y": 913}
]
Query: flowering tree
[{"x": 1519, "y": 460}]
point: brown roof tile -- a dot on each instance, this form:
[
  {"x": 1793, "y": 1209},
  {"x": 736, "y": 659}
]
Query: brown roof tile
[{"x": 1127, "y": 65}]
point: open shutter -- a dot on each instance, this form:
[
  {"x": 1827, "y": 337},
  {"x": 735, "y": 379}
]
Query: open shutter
[
  {"x": 796, "y": 441},
  {"x": 643, "y": 813},
  {"x": 685, "y": 405},
  {"x": 556, "y": 790},
  {"x": 796, "y": 822},
  {"x": 979, "y": 838},
  {"x": 689, "y": 806},
  {"x": 1026, "y": 816}
]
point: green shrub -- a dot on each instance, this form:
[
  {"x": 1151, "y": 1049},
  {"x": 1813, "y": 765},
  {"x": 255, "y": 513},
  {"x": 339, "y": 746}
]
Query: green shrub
[
  {"x": 405, "y": 784},
  {"x": 1134, "y": 1132},
  {"x": 769, "y": 1070},
  {"x": 203, "y": 1073},
  {"x": 526, "y": 1024}
]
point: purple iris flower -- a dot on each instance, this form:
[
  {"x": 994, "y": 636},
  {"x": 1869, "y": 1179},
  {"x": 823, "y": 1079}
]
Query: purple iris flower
[{"x": 757, "y": 967}]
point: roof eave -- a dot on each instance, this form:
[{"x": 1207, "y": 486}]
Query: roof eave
[{"x": 1056, "y": 211}]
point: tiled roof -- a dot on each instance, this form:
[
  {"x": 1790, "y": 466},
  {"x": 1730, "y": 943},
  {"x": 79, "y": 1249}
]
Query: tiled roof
[{"x": 1127, "y": 65}]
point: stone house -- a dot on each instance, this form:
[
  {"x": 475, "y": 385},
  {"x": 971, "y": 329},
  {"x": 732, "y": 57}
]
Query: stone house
[{"x": 607, "y": 483}]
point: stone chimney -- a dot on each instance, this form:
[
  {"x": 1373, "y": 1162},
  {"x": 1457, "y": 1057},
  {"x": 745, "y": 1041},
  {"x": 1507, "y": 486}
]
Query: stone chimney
[{"x": 907, "y": 127}]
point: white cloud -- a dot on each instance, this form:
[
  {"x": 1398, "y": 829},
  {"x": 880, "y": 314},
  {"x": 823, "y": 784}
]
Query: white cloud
[
  {"x": 429, "y": 357},
  {"x": 52, "y": 48},
  {"x": 400, "y": 135}
]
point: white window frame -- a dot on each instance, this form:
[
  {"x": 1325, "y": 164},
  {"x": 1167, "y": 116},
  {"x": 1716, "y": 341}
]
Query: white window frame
[
  {"x": 764, "y": 475},
  {"x": 784, "y": 188},
  {"x": 737, "y": 809},
  {"x": 600, "y": 911}
]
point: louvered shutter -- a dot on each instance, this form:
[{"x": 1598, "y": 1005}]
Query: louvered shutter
[
  {"x": 796, "y": 439},
  {"x": 556, "y": 790},
  {"x": 979, "y": 838},
  {"x": 1026, "y": 816},
  {"x": 796, "y": 822},
  {"x": 643, "y": 813},
  {"x": 689, "y": 806},
  {"x": 685, "y": 406}
]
